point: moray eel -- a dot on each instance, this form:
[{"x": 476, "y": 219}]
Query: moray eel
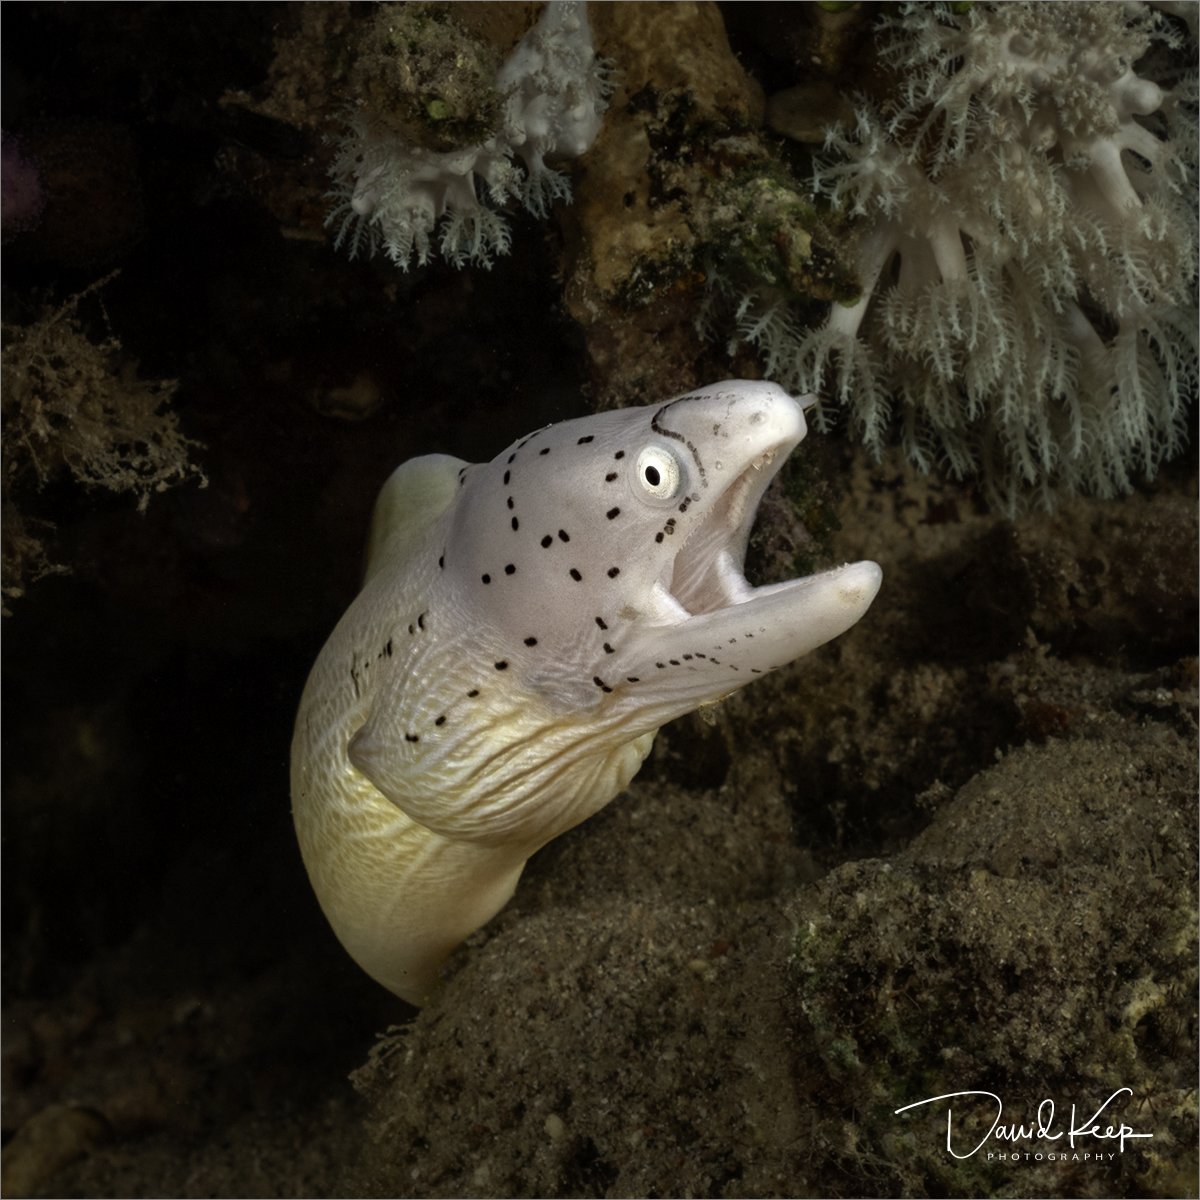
[{"x": 525, "y": 627}]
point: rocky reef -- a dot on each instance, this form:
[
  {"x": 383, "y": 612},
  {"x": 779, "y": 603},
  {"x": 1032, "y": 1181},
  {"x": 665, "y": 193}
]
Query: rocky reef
[
  {"x": 953, "y": 851},
  {"x": 1000, "y": 225}
]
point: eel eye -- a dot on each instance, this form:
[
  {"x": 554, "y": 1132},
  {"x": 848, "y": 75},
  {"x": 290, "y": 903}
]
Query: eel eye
[{"x": 659, "y": 473}]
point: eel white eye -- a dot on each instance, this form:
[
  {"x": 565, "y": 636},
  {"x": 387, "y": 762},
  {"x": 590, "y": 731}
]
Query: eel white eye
[{"x": 659, "y": 473}]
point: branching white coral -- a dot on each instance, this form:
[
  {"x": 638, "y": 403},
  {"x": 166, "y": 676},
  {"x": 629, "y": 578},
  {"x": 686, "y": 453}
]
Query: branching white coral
[
  {"x": 410, "y": 200},
  {"x": 1027, "y": 254}
]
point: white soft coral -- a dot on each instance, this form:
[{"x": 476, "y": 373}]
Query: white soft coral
[
  {"x": 1027, "y": 254},
  {"x": 411, "y": 200}
]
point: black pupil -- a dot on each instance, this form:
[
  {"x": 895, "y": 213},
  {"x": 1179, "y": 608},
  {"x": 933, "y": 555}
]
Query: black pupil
[{"x": 653, "y": 478}]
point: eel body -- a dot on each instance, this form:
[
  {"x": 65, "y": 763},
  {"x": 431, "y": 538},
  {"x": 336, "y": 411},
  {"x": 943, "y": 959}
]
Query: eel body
[{"x": 525, "y": 627}]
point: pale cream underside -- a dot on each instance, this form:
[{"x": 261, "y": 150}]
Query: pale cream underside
[{"x": 398, "y": 896}]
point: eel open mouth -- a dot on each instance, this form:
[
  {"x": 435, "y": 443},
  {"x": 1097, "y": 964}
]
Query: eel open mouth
[
  {"x": 709, "y": 632},
  {"x": 707, "y": 573}
]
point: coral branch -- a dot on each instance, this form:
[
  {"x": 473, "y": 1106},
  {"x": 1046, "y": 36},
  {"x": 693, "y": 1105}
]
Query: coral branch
[
  {"x": 1040, "y": 195},
  {"x": 394, "y": 194}
]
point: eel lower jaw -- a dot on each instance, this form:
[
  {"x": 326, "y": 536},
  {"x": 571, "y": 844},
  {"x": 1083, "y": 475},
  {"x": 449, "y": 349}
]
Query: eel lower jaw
[{"x": 701, "y": 657}]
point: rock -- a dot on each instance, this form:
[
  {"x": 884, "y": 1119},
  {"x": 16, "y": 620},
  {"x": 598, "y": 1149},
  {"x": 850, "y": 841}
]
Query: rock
[{"x": 56, "y": 1136}]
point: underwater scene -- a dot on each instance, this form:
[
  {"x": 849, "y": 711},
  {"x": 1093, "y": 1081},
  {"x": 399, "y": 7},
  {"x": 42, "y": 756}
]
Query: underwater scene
[{"x": 600, "y": 599}]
